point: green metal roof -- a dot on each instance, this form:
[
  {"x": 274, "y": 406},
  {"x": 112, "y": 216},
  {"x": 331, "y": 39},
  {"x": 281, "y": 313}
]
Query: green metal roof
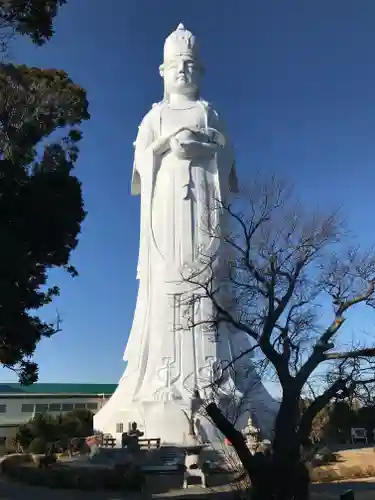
[{"x": 50, "y": 388}]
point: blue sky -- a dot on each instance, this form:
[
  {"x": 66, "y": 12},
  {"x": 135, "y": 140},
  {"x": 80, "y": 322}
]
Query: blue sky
[{"x": 295, "y": 82}]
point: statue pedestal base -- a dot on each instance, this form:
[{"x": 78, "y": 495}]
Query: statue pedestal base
[
  {"x": 194, "y": 473},
  {"x": 165, "y": 419},
  {"x": 156, "y": 419}
]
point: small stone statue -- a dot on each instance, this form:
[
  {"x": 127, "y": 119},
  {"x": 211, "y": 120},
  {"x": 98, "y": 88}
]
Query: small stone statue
[
  {"x": 195, "y": 405},
  {"x": 129, "y": 439},
  {"x": 134, "y": 431},
  {"x": 252, "y": 435},
  {"x": 193, "y": 448}
]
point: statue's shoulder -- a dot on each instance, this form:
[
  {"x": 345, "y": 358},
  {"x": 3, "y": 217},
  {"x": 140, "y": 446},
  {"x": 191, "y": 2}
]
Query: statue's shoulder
[
  {"x": 210, "y": 110},
  {"x": 153, "y": 112},
  {"x": 213, "y": 116},
  {"x": 208, "y": 106},
  {"x": 152, "y": 116}
]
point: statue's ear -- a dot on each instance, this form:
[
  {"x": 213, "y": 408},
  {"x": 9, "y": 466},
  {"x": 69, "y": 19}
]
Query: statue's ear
[{"x": 161, "y": 70}]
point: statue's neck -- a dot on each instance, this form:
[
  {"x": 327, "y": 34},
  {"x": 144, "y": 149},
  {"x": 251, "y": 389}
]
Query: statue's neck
[{"x": 179, "y": 101}]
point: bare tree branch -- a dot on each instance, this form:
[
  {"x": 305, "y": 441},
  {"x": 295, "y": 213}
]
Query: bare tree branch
[
  {"x": 319, "y": 354},
  {"x": 365, "y": 352},
  {"x": 281, "y": 264}
]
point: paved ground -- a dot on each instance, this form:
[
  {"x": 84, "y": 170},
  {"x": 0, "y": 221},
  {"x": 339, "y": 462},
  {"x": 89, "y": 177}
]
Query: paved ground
[
  {"x": 364, "y": 490},
  {"x": 14, "y": 491}
]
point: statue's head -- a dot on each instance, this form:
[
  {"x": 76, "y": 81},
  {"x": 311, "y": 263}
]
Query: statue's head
[{"x": 181, "y": 69}]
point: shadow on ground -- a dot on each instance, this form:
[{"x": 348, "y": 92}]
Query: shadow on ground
[
  {"x": 364, "y": 488},
  {"x": 16, "y": 491},
  {"x": 163, "y": 484},
  {"x": 192, "y": 494},
  {"x": 348, "y": 446}
]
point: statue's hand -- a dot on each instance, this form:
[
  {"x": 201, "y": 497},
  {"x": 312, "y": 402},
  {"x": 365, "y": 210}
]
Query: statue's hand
[
  {"x": 186, "y": 135},
  {"x": 190, "y": 149},
  {"x": 176, "y": 147},
  {"x": 164, "y": 143}
]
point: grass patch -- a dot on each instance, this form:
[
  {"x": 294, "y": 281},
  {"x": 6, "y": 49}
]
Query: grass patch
[{"x": 340, "y": 473}]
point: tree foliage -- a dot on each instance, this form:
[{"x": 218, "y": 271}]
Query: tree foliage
[
  {"x": 28, "y": 17},
  {"x": 287, "y": 271},
  {"x": 41, "y": 205},
  {"x": 49, "y": 429}
]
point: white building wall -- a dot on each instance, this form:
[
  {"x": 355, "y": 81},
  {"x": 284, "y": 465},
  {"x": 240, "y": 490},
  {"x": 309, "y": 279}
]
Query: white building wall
[{"x": 15, "y": 411}]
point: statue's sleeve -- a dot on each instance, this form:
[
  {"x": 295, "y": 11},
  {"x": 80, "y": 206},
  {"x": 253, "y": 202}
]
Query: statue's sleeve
[
  {"x": 229, "y": 158},
  {"x": 145, "y": 137},
  {"x": 233, "y": 179}
]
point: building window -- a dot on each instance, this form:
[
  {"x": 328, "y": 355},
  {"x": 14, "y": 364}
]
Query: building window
[
  {"x": 79, "y": 406},
  {"x": 119, "y": 428},
  {"x": 67, "y": 407},
  {"x": 3, "y": 408},
  {"x": 41, "y": 408},
  {"x": 27, "y": 408},
  {"x": 92, "y": 406},
  {"x": 54, "y": 407}
]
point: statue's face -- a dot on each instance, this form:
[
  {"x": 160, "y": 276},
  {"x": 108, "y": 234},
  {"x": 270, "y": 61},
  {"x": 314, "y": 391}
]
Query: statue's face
[{"x": 181, "y": 76}]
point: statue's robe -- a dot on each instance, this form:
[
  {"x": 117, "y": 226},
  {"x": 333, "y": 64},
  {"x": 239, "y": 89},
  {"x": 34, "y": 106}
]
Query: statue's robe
[
  {"x": 166, "y": 357},
  {"x": 179, "y": 213}
]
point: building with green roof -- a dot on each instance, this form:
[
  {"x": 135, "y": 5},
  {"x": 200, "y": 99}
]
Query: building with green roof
[{"x": 19, "y": 403}]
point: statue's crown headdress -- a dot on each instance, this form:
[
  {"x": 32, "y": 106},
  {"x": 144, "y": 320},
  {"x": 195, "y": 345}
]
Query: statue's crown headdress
[{"x": 180, "y": 43}]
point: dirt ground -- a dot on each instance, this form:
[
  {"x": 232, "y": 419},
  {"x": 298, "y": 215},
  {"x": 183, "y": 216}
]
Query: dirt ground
[
  {"x": 353, "y": 457},
  {"x": 364, "y": 457},
  {"x": 359, "y": 458}
]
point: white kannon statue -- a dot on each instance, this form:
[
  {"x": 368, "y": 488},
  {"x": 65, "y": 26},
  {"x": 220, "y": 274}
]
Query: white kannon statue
[{"x": 183, "y": 168}]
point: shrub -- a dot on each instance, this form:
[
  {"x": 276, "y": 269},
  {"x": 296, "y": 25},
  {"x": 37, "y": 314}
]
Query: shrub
[
  {"x": 14, "y": 461},
  {"x": 38, "y": 446},
  {"x": 24, "y": 436},
  {"x": 83, "y": 478},
  {"x": 79, "y": 445},
  {"x": 10, "y": 445},
  {"x": 41, "y": 461},
  {"x": 324, "y": 456},
  {"x": 77, "y": 423}
]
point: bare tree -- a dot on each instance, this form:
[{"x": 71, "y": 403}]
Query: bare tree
[{"x": 285, "y": 271}]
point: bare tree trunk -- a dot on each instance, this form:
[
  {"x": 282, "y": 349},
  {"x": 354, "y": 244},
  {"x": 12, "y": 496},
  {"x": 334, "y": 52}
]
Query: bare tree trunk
[
  {"x": 232, "y": 434},
  {"x": 281, "y": 476},
  {"x": 291, "y": 476},
  {"x": 257, "y": 466}
]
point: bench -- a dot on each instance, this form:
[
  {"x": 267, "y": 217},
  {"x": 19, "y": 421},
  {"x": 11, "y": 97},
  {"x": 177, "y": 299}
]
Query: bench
[
  {"x": 149, "y": 443},
  {"x": 109, "y": 442}
]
